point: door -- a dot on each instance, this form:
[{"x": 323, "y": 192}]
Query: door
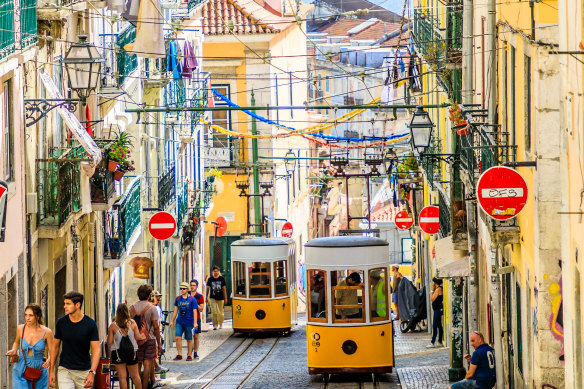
[
  {"x": 222, "y": 258},
  {"x": 60, "y": 290}
]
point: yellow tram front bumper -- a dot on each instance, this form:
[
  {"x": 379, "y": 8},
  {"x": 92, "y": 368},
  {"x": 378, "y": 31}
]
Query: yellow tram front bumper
[
  {"x": 351, "y": 349},
  {"x": 261, "y": 315}
]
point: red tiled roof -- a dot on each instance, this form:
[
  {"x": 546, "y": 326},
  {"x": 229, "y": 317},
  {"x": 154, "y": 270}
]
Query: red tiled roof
[{"x": 373, "y": 32}]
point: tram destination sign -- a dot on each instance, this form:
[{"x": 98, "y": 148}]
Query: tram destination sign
[
  {"x": 501, "y": 192},
  {"x": 429, "y": 219},
  {"x": 162, "y": 225},
  {"x": 403, "y": 220}
]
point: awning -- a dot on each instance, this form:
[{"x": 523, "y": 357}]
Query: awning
[
  {"x": 78, "y": 130},
  {"x": 450, "y": 262}
]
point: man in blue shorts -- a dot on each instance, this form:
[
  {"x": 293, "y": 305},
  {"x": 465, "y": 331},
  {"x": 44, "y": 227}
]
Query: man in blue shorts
[
  {"x": 481, "y": 373},
  {"x": 186, "y": 307}
]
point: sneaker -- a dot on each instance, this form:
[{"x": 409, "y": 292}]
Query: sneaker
[
  {"x": 195, "y": 355},
  {"x": 220, "y": 326},
  {"x": 440, "y": 345},
  {"x": 431, "y": 345},
  {"x": 157, "y": 384},
  {"x": 177, "y": 358},
  {"x": 189, "y": 358},
  {"x": 214, "y": 328},
  {"x": 163, "y": 369}
]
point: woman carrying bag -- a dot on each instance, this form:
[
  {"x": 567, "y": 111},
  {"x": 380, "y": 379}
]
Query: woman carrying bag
[
  {"x": 123, "y": 337},
  {"x": 32, "y": 338}
]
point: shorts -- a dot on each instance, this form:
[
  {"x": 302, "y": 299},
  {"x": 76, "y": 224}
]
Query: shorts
[
  {"x": 394, "y": 297},
  {"x": 147, "y": 351},
  {"x": 180, "y": 329},
  {"x": 198, "y": 329},
  {"x": 465, "y": 384},
  {"x": 115, "y": 357}
]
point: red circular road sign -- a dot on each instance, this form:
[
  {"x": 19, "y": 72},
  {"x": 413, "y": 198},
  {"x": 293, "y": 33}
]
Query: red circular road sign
[
  {"x": 403, "y": 220},
  {"x": 429, "y": 219},
  {"x": 287, "y": 230},
  {"x": 221, "y": 226},
  {"x": 162, "y": 225},
  {"x": 501, "y": 192}
]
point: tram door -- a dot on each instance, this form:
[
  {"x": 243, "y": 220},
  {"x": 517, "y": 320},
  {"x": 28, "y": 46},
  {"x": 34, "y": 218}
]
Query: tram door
[{"x": 222, "y": 258}]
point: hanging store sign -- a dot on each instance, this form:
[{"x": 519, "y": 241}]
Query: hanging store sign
[
  {"x": 403, "y": 220},
  {"x": 429, "y": 219},
  {"x": 3, "y": 202},
  {"x": 287, "y": 230},
  {"x": 162, "y": 225},
  {"x": 501, "y": 192}
]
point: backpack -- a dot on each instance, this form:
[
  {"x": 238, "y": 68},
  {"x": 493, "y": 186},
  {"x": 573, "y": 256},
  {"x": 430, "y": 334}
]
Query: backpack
[
  {"x": 141, "y": 323},
  {"x": 126, "y": 352}
]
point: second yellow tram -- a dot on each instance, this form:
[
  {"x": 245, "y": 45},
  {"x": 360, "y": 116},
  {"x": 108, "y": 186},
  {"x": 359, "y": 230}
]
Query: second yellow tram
[
  {"x": 264, "y": 285},
  {"x": 349, "y": 327}
]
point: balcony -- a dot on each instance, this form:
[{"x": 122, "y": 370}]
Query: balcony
[
  {"x": 7, "y": 35},
  {"x": 444, "y": 215},
  {"x": 102, "y": 188},
  {"x": 112, "y": 250},
  {"x": 166, "y": 188},
  {"x": 222, "y": 152},
  {"x": 28, "y": 23},
  {"x": 128, "y": 208},
  {"x": 58, "y": 189},
  {"x": 433, "y": 168},
  {"x": 126, "y": 63},
  {"x": 183, "y": 204},
  {"x": 192, "y": 4}
]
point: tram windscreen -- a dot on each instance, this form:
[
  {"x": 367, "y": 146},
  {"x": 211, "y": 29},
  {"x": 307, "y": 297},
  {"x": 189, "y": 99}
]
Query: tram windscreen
[
  {"x": 239, "y": 279},
  {"x": 280, "y": 279},
  {"x": 259, "y": 279},
  {"x": 378, "y": 300},
  {"x": 347, "y": 287},
  {"x": 317, "y": 295}
]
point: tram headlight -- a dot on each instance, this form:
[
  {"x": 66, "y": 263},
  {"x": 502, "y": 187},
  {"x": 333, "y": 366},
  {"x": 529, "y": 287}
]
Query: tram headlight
[{"x": 349, "y": 347}]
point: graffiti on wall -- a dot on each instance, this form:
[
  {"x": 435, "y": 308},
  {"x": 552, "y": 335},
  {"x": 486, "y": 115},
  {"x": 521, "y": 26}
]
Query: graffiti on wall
[{"x": 557, "y": 316}]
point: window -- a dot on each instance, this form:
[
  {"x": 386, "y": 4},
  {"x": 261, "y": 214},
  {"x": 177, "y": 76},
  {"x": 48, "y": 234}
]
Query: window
[
  {"x": 348, "y": 292},
  {"x": 527, "y": 100},
  {"x": 326, "y": 83},
  {"x": 280, "y": 278},
  {"x": 7, "y": 132},
  {"x": 406, "y": 246},
  {"x": 505, "y": 91},
  {"x": 317, "y": 295},
  {"x": 259, "y": 280},
  {"x": 378, "y": 300},
  {"x": 513, "y": 111},
  {"x": 239, "y": 279},
  {"x": 221, "y": 118}
]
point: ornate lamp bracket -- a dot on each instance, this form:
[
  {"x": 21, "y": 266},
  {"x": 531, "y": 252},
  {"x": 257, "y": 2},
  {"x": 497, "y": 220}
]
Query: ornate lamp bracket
[{"x": 37, "y": 109}]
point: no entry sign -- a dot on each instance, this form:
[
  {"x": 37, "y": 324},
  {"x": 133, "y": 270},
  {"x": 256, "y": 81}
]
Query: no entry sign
[
  {"x": 403, "y": 220},
  {"x": 429, "y": 219},
  {"x": 287, "y": 230},
  {"x": 501, "y": 192},
  {"x": 162, "y": 225}
]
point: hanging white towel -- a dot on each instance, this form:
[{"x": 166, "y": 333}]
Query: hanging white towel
[{"x": 149, "y": 41}]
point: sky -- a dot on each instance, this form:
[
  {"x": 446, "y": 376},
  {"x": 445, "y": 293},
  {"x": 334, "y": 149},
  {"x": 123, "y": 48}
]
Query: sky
[{"x": 396, "y": 6}]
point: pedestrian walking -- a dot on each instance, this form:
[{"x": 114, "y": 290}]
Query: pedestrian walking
[
  {"x": 155, "y": 298},
  {"x": 185, "y": 306},
  {"x": 438, "y": 308},
  {"x": 481, "y": 372},
  {"x": 77, "y": 333},
  {"x": 201, "y": 304},
  {"x": 146, "y": 318},
  {"x": 32, "y": 339},
  {"x": 397, "y": 276},
  {"x": 122, "y": 336},
  {"x": 216, "y": 296}
]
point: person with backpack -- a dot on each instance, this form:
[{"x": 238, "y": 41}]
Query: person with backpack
[
  {"x": 122, "y": 336},
  {"x": 146, "y": 318},
  {"x": 186, "y": 307},
  {"x": 201, "y": 303}
]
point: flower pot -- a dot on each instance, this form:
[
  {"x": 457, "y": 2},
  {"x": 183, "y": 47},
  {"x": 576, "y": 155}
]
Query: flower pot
[
  {"x": 112, "y": 166},
  {"x": 118, "y": 174},
  {"x": 462, "y": 131},
  {"x": 211, "y": 178}
]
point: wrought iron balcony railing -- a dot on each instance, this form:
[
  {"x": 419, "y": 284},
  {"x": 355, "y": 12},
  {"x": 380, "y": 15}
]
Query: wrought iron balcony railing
[
  {"x": 102, "y": 185},
  {"x": 444, "y": 217},
  {"x": 182, "y": 203},
  {"x": 433, "y": 167},
  {"x": 194, "y": 4},
  {"x": 112, "y": 247},
  {"x": 126, "y": 63},
  {"x": 223, "y": 152},
  {"x": 129, "y": 212},
  {"x": 166, "y": 188},
  {"x": 28, "y": 23},
  {"x": 58, "y": 189},
  {"x": 7, "y": 34}
]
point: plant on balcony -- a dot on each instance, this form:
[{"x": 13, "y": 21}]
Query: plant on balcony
[
  {"x": 119, "y": 154},
  {"x": 213, "y": 173},
  {"x": 460, "y": 124}
]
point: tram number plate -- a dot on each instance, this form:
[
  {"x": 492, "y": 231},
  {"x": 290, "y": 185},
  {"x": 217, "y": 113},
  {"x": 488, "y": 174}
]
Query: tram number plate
[{"x": 315, "y": 341}]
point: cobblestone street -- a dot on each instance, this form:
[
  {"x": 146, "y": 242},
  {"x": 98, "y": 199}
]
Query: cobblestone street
[{"x": 284, "y": 365}]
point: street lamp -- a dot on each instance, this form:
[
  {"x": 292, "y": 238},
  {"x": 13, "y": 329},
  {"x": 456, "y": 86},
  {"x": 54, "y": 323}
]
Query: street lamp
[
  {"x": 83, "y": 65},
  {"x": 421, "y": 129},
  {"x": 290, "y": 162},
  {"x": 389, "y": 161}
]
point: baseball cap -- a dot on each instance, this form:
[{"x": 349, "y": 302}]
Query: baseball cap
[
  {"x": 184, "y": 285},
  {"x": 156, "y": 293}
]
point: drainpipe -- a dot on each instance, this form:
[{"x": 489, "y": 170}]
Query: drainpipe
[
  {"x": 467, "y": 52},
  {"x": 496, "y": 307},
  {"x": 492, "y": 60},
  {"x": 456, "y": 371},
  {"x": 256, "y": 179}
]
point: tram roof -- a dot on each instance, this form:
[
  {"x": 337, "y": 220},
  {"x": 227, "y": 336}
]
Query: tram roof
[
  {"x": 347, "y": 241},
  {"x": 263, "y": 242}
]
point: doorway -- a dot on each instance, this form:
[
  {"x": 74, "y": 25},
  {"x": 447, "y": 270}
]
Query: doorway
[
  {"x": 222, "y": 258},
  {"x": 60, "y": 290}
]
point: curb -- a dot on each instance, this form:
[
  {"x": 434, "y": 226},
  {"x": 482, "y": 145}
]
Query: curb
[
  {"x": 420, "y": 353},
  {"x": 402, "y": 381}
]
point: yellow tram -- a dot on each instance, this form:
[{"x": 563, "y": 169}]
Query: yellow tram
[
  {"x": 264, "y": 285},
  {"x": 349, "y": 328}
]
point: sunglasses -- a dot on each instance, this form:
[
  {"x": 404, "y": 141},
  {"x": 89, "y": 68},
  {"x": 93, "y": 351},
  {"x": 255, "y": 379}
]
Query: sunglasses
[{"x": 183, "y": 288}]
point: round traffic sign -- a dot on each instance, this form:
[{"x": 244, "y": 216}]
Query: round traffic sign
[
  {"x": 287, "y": 230},
  {"x": 221, "y": 226},
  {"x": 162, "y": 225},
  {"x": 429, "y": 220},
  {"x": 501, "y": 192},
  {"x": 403, "y": 220}
]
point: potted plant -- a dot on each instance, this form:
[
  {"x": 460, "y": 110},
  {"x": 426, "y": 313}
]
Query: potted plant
[
  {"x": 213, "y": 173},
  {"x": 460, "y": 124},
  {"x": 119, "y": 152},
  {"x": 126, "y": 166}
]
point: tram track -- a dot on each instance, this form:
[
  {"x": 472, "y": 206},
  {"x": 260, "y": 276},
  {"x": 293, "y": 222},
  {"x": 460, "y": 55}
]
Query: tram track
[
  {"x": 363, "y": 383},
  {"x": 236, "y": 369}
]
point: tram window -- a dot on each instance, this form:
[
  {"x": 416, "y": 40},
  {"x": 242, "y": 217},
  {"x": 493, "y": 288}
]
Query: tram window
[
  {"x": 281, "y": 284},
  {"x": 348, "y": 293},
  {"x": 378, "y": 300},
  {"x": 259, "y": 279},
  {"x": 317, "y": 295},
  {"x": 239, "y": 278}
]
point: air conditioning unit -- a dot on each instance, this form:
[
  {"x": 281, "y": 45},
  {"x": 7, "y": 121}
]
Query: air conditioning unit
[{"x": 32, "y": 204}]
